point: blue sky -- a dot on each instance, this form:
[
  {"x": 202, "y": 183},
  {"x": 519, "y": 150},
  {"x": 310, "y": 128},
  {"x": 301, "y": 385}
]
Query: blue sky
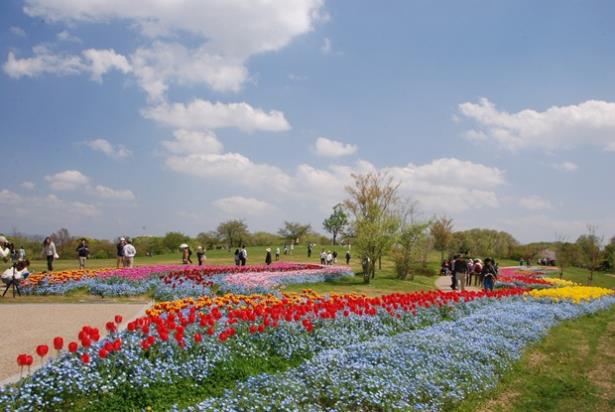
[{"x": 144, "y": 117}]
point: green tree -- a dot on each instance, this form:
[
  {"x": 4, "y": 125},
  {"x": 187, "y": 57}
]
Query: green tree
[
  {"x": 442, "y": 234},
  {"x": 233, "y": 232},
  {"x": 409, "y": 248},
  {"x": 609, "y": 252},
  {"x": 294, "y": 231},
  {"x": 172, "y": 240},
  {"x": 372, "y": 201},
  {"x": 336, "y": 223},
  {"x": 566, "y": 255},
  {"x": 209, "y": 240},
  {"x": 589, "y": 247}
]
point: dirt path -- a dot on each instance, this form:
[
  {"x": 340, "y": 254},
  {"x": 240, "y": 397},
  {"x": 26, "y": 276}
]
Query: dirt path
[{"x": 28, "y": 325}]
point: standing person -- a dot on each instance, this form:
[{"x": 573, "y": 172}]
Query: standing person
[
  {"x": 22, "y": 253},
  {"x": 277, "y": 254},
  {"x": 334, "y": 256},
  {"x": 83, "y": 252},
  {"x": 329, "y": 257},
  {"x": 309, "y": 250},
  {"x": 200, "y": 255},
  {"x": 478, "y": 272},
  {"x": 348, "y": 257},
  {"x": 5, "y": 252},
  {"x": 237, "y": 257},
  {"x": 129, "y": 253},
  {"x": 243, "y": 255},
  {"x": 470, "y": 272},
  {"x": 286, "y": 249},
  {"x": 489, "y": 275},
  {"x": 186, "y": 254},
  {"x": 323, "y": 257},
  {"x": 292, "y": 247},
  {"x": 120, "y": 252},
  {"x": 268, "y": 257},
  {"x": 50, "y": 252},
  {"x": 461, "y": 269}
]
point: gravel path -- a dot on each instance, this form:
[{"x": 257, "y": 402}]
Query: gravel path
[
  {"x": 28, "y": 325},
  {"x": 444, "y": 283}
]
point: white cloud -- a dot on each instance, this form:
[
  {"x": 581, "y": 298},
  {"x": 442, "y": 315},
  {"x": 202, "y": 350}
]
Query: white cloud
[
  {"x": 535, "y": 203},
  {"x": 65, "y": 35},
  {"x": 17, "y": 31},
  {"x": 333, "y": 148},
  {"x": 102, "y": 61},
  {"x": 565, "y": 166},
  {"x": 95, "y": 62},
  {"x": 188, "y": 142},
  {"x": 161, "y": 63},
  {"x": 69, "y": 208},
  {"x": 43, "y": 61},
  {"x": 104, "y": 146},
  {"x": 326, "y": 46},
  {"x": 202, "y": 114},
  {"x": 105, "y": 192},
  {"x": 590, "y": 123},
  {"x": 229, "y": 33},
  {"x": 67, "y": 180},
  {"x": 28, "y": 185},
  {"x": 8, "y": 197},
  {"x": 242, "y": 206}
]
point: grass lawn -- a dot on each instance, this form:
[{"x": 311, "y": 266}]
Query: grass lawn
[{"x": 572, "y": 369}]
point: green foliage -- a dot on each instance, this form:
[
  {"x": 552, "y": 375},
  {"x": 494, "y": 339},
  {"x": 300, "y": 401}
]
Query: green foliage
[
  {"x": 294, "y": 231},
  {"x": 336, "y": 223},
  {"x": 410, "y": 247},
  {"x": 233, "y": 232},
  {"x": 442, "y": 234},
  {"x": 172, "y": 240},
  {"x": 484, "y": 242}
]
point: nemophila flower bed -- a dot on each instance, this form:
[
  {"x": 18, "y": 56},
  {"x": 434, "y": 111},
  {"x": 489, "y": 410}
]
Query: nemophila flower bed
[
  {"x": 422, "y": 370},
  {"x": 199, "y": 346},
  {"x": 167, "y": 282}
]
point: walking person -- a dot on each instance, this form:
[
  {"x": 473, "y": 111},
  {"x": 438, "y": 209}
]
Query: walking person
[
  {"x": 120, "y": 252},
  {"x": 243, "y": 255},
  {"x": 277, "y": 254},
  {"x": 83, "y": 252},
  {"x": 460, "y": 271},
  {"x": 348, "y": 257},
  {"x": 129, "y": 253},
  {"x": 268, "y": 257},
  {"x": 489, "y": 275},
  {"x": 50, "y": 252},
  {"x": 200, "y": 255}
]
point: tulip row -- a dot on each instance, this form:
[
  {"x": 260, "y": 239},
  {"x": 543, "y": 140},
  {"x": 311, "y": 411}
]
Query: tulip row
[{"x": 191, "y": 343}]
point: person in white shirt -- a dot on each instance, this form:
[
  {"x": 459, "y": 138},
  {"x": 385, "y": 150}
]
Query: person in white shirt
[
  {"x": 5, "y": 252},
  {"x": 277, "y": 253},
  {"x": 329, "y": 258},
  {"x": 50, "y": 252},
  {"x": 14, "y": 275},
  {"x": 129, "y": 253}
]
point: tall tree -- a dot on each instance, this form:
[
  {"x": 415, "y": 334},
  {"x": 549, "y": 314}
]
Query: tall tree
[
  {"x": 590, "y": 248},
  {"x": 294, "y": 231},
  {"x": 409, "y": 248},
  {"x": 233, "y": 232},
  {"x": 566, "y": 254},
  {"x": 442, "y": 233},
  {"x": 337, "y": 222},
  {"x": 372, "y": 201}
]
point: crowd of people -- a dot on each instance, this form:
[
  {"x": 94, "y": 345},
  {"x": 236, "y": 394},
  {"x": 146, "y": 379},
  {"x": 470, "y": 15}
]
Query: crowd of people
[
  {"x": 18, "y": 271},
  {"x": 465, "y": 271}
]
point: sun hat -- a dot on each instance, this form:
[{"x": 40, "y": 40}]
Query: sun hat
[
  {"x": 268, "y": 249},
  {"x": 122, "y": 238},
  {"x": 183, "y": 246},
  {"x": 3, "y": 239}
]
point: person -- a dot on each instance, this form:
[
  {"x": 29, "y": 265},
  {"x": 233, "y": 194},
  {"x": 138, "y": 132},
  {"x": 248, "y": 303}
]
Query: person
[
  {"x": 15, "y": 274},
  {"x": 348, "y": 257},
  {"x": 286, "y": 249},
  {"x": 478, "y": 272},
  {"x": 5, "y": 252},
  {"x": 329, "y": 257},
  {"x": 237, "y": 257},
  {"x": 22, "y": 253},
  {"x": 129, "y": 253},
  {"x": 334, "y": 256},
  {"x": 83, "y": 252},
  {"x": 323, "y": 257},
  {"x": 292, "y": 247},
  {"x": 309, "y": 250},
  {"x": 200, "y": 255},
  {"x": 50, "y": 252},
  {"x": 186, "y": 254},
  {"x": 460, "y": 270},
  {"x": 268, "y": 256},
  {"x": 244, "y": 255},
  {"x": 120, "y": 252},
  {"x": 489, "y": 275},
  {"x": 470, "y": 272},
  {"x": 277, "y": 254},
  {"x": 14, "y": 253}
]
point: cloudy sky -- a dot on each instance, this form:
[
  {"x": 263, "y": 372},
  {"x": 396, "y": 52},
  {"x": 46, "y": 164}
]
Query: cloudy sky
[{"x": 146, "y": 116}]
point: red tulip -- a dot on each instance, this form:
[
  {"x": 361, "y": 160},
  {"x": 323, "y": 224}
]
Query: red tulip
[
  {"x": 22, "y": 359},
  {"x": 58, "y": 343},
  {"x": 41, "y": 350},
  {"x": 29, "y": 360},
  {"x": 72, "y": 347},
  {"x": 110, "y": 326},
  {"x": 118, "y": 319},
  {"x": 85, "y": 358},
  {"x": 198, "y": 338},
  {"x": 103, "y": 353},
  {"x": 117, "y": 344}
]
